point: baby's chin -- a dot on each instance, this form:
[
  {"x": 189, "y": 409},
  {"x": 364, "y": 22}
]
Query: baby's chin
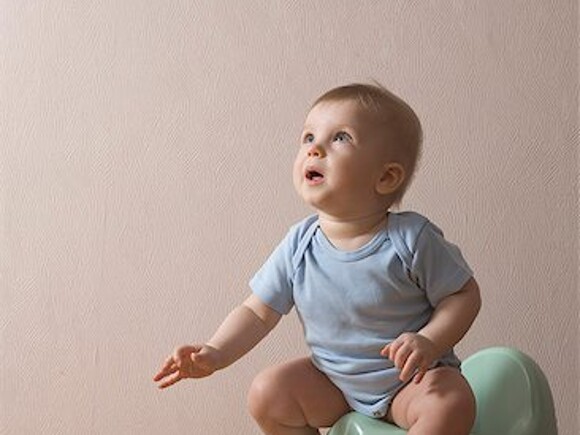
[{"x": 309, "y": 198}]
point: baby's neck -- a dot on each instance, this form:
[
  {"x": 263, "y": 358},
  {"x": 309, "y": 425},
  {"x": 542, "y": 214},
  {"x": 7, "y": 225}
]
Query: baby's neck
[{"x": 352, "y": 233}]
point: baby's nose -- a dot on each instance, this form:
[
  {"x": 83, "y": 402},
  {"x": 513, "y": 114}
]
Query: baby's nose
[{"x": 316, "y": 151}]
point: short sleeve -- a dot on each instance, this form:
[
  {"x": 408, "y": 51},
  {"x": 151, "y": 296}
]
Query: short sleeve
[
  {"x": 438, "y": 265},
  {"x": 273, "y": 282}
]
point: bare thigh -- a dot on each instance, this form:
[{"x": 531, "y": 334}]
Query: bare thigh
[
  {"x": 297, "y": 394},
  {"x": 442, "y": 394}
]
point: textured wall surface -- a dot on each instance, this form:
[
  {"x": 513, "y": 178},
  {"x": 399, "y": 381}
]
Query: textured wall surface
[{"x": 145, "y": 174}]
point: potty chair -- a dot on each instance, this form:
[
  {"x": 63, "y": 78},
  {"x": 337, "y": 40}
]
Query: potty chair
[{"x": 511, "y": 392}]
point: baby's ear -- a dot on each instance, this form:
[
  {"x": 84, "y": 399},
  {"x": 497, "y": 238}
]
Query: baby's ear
[{"x": 391, "y": 179}]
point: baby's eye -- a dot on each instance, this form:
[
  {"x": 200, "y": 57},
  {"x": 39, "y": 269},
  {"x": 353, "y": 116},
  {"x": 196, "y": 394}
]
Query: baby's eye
[
  {"x": 343, "y": 137},
  {"x": 308, "y": 138}
]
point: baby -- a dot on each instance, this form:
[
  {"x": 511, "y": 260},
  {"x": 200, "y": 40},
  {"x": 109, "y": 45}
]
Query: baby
[{"x": 382, "y": 296}]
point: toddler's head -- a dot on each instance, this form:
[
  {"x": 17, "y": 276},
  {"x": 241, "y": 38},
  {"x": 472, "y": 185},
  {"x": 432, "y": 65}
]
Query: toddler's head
[
  {"x": 362, "y": 136},
  {"x": 401, "y": 131}
]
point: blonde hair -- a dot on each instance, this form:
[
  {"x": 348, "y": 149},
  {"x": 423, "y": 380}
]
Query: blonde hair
[{"x": 404, "y": 133}]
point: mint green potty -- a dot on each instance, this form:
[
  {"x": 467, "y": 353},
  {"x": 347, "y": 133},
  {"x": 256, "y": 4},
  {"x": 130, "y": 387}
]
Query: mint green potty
[{"x": 512, "y": 394}]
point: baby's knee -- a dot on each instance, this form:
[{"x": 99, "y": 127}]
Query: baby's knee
[
  {"x": 460, "y": 409},
  {"x": 446, "y": 405},
  {"x": 264, "y": 393},
  {"x": 258, "y": 394},
  {"x": 455, "y": 414}
]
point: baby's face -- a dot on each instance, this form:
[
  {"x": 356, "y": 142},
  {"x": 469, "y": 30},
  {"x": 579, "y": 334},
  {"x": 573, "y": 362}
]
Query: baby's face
[{"x": 341, "y": 158}]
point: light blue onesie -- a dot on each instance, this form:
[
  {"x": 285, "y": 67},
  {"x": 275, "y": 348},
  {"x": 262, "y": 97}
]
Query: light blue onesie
[{"x": 352, "y": 303}]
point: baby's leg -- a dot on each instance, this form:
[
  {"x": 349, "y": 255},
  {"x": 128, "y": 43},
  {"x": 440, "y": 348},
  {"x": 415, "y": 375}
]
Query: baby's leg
[
  {"x": 295, "y": 398},
  {"x": 441, "y": 404}
]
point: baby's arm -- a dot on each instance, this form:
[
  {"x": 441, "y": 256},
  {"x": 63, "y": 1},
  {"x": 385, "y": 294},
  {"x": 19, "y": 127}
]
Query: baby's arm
[
  {"x": 451, "y": 319},
  {"x": 242, "y": 329}
]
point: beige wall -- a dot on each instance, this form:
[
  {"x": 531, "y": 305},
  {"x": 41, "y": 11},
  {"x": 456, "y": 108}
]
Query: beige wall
[{"x": 146, "y": 149}]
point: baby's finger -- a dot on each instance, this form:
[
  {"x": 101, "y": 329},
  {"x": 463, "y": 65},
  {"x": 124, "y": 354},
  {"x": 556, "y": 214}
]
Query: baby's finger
[
  {"x": 163, "y": 373},
  {"x": 394, "y": 347},
  {"x": 410, "y": 367},
  {"x": 402, "y": 356},
  {"x": 421, "y": 371},
  {"x": 419, "y": 376},
  {"x": 168, "y": 368},
  {"x": 169, "y": 362},
  {"x": 385, "y": 350},
  {"x": 171, "y": 379}
]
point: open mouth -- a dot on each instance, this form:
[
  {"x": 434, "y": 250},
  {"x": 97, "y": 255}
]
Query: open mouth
[{"x": 313, "y": 176}]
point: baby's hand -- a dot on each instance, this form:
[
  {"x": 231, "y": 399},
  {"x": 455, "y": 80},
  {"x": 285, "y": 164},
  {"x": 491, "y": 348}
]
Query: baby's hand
[
  {"x": 411, "y": 352},
  {"x": 195, "y": 361}
]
